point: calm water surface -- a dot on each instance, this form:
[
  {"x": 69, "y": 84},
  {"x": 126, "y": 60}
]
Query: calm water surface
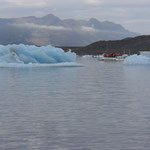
[{"x": 101, "y": 106}]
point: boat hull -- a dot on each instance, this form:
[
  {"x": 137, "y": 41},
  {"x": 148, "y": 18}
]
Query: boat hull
[{"x": 118, "y": 58}]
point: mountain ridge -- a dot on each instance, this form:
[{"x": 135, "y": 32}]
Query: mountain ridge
[{"x": 51, "y": 30}]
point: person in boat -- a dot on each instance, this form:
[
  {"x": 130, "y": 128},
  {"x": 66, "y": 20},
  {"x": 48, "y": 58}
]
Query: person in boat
[{"x": 111, "y": 54}]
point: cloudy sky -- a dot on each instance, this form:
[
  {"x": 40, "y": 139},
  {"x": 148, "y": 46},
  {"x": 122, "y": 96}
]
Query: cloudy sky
[{"x": 132, "y": 14}]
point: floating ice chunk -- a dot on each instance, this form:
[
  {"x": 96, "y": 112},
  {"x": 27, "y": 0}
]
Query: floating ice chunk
[
  {"x": 145, "y": 53},
  {"x": 87, "y": 56},
  {"x": 27, "y": 54},
  {"x": 137, "y": 60}
]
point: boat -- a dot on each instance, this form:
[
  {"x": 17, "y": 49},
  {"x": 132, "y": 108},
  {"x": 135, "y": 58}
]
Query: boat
[{"x": 112, "y": 57}]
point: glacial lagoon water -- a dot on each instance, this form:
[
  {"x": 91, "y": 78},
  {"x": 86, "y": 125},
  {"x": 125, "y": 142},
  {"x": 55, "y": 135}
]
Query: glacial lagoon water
[{"x": 99, "y": 106}]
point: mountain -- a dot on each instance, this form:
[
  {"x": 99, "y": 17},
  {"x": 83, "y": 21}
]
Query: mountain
[
  {"x": 125, "y": 46},
  {"x": 52, "y": 30}
]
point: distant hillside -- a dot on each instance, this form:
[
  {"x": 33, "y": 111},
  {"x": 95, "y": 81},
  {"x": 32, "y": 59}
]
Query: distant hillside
[
  {"x": 52, "y": 30},
  {"x": 125, "y": 46}
]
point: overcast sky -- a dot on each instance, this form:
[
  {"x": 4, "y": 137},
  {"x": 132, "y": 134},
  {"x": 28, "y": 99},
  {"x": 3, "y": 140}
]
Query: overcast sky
[{"x": 134, "y": 15}]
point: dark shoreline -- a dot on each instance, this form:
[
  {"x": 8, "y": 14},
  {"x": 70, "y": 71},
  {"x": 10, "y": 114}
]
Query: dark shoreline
[{"x": 125, "y": 46}]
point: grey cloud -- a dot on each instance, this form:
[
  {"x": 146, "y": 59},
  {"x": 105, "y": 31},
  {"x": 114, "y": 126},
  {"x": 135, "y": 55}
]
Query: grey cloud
[
  {"x": 122, "y": 12},
  {"x": 56, "y": 28},
  {"x": 88, "y": 29},
  {"x": 32, "y": 25}
]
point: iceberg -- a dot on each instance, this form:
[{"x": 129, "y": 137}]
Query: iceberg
[
  {"x": 145, "y": 53},
  {"x": 137, "y": 60},
  {"x": 32, "y": 55}
]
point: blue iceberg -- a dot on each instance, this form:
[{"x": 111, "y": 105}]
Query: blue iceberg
[
  {"x": 137, "y": 60},
  {"x": 31, "y": 54}
]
